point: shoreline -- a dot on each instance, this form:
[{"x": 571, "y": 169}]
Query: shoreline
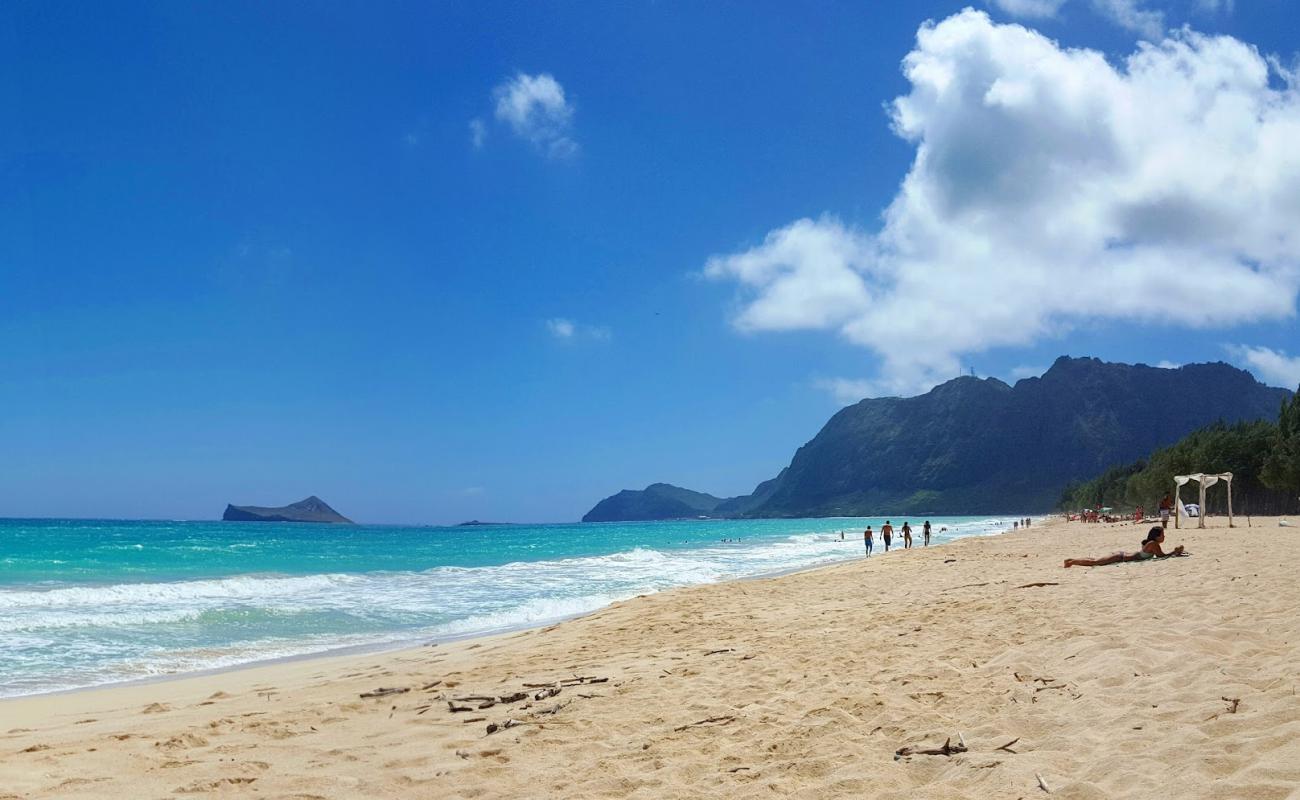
[
  {"x": 412, "y": 643},
  {"x": 1106, "y": 681}
]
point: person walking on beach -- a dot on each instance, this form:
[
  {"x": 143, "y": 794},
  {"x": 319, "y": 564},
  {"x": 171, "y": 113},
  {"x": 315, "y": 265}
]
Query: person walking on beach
[
  {"x": 1166, "y": 505},
  {"x": 925, "y": 531},
  {"x": 866, "y": 540},
  {"x": 907, "y": 536},
  {"x": 887, "y": 533}
]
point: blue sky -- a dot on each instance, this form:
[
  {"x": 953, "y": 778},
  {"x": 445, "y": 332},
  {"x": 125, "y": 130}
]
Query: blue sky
[{"x": 435, "y": 262}]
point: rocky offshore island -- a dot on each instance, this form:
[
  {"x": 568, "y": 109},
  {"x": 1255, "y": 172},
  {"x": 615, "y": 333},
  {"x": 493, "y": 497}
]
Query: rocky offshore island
[{"x": 313, "y": 509}]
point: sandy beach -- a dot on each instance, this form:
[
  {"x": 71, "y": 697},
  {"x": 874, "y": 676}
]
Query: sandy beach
[{"x": 1174, "y": 678}]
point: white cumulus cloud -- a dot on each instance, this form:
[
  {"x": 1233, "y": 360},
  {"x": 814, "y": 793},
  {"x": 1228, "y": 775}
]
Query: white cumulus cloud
[
  {"x": 1273, "y": 367},
  {"x": 1131, "y": 15},
  {"x": 568, "y": 330},
  {"x": 1051, "y": 187},
  {"x": 536, "y": 109}
]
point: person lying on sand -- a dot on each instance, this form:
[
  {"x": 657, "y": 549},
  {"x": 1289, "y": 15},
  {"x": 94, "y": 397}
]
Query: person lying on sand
[{"x": 1150, "y": 549}]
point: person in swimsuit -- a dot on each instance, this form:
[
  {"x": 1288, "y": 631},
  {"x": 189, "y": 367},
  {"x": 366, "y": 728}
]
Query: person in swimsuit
[
  {"x": 866, "y": 540},
  {"x": 887, "y": 533},
  {"x": 925, "y": 531},
  {"x": 907, "y": 536},
  {"x": 1150, "y": 549},
  {"x": 1166, "y": 506}
]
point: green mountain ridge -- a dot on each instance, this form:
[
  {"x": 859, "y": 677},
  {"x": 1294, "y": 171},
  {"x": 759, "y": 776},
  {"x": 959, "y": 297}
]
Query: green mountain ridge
[{"x": 974, "y": 446}]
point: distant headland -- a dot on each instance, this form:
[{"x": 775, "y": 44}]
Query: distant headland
[
  {"x": 313, "y": 509},
  {"x": 972, "y": 446}
]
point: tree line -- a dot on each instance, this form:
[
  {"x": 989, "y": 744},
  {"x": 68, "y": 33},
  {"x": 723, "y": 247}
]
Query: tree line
[{"x": 1263, "y": 456}]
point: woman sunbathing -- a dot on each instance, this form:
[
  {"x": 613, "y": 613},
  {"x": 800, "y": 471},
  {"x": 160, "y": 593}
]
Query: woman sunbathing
[{"x": 1150, "y": 549}]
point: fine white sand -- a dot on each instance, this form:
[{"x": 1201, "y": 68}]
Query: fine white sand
[{"x": 1168, "y": 679}]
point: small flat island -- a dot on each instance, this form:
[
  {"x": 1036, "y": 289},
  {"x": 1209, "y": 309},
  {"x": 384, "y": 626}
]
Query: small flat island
[{"x": 313, "y": 509}]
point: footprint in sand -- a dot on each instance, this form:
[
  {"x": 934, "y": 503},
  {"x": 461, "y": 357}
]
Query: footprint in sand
[
  {"x": 156, "y": 708},
  {"x": 183, "y": 742},
  {"x": 212, "y": 786}
]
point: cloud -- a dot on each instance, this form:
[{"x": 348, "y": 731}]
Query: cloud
[
  {"x": 1035, "y": 9},
  {"x": 1215, "y": 6},
  {"x": 1049, "y": 188},
  {"x": 568, "y": 330},
  {"x": 1168, "y": 364},
  {"x": 536, "y": 110},
  {"x": 1130, "y": 15},
  {"x": 561, "y": 328},
  {"x": 846, "y": 391},
  {"x": 1273, "y": 367},
  {"x": 477, "y": 133}
]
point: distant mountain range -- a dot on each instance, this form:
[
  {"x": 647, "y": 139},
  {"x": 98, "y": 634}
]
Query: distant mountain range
[
  {"x": 972, "y": 446},
  {"x": 313, "y": 509}
]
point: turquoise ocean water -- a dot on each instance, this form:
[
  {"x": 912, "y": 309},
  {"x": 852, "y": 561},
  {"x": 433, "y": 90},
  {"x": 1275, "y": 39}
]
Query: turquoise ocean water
[{"x": 88, "y": 602}]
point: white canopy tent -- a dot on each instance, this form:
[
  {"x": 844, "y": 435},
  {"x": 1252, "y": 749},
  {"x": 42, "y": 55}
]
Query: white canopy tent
[{"x": 1205, "y": 482}]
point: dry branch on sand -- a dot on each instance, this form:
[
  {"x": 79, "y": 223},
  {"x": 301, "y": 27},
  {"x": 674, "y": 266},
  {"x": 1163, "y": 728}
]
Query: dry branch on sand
[
  {"x": 948, "y": 749},
  {"x": 711, "y": 721}
]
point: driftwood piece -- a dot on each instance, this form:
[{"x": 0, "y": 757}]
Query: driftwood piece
[
  {"x": 547, "y": 693},
  {"x": 948, "y": 749},
  {"x": 474, "y": 719},
  {"x": 455, "y": 709},
  {"x": 382, "y": 692},
  {"x": 429, "y": 686},
  {"x": 555, "y": 709},
  {"x": 493, "y": 727},
  {"x": 512, "y": 698},
  {"x": 723, "y": 650},
  {"x": 486, "y": 704},
  {"x": 969, "y": 586},
  {"x": 540, "y": 685},
  {"x": 1042, "y": 784},
  {"x": 715, "y": 721},
  {"x": 1007, "y": 746},
  {"x": 1042, "y": 583}
]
